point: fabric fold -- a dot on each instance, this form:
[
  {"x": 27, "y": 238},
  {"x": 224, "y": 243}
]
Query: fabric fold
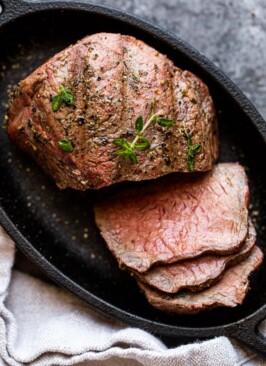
[{"x": 43, "y": 325}]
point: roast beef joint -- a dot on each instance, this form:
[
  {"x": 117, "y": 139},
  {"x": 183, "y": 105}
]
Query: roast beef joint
[{"x": 84, "y": 115}]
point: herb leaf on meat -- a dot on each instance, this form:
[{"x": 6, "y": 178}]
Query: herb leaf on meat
[
  {"x": 56, "y": 102},
  {"x": 64, "y": 95},
  {"x": 139, "y": 124},
  {"x": 164, "y": 122},
  {"x": 192, "y": 151},
  {"x": 177, "y": 295},
  {"x": 65, "y": 145},
  {"x": 140, "y": 142}
]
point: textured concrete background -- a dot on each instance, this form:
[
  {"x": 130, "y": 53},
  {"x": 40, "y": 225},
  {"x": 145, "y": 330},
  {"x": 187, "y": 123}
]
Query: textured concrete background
[{"x": 232, "y": 34}]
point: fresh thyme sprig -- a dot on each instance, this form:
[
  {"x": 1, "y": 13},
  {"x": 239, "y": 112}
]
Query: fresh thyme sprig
[
  {"x": 140, "y": 142},
  {"x": 192, "y": 151}
]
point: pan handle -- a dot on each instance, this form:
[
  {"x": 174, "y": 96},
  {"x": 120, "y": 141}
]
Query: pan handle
[{"x": 247, "y": 332}]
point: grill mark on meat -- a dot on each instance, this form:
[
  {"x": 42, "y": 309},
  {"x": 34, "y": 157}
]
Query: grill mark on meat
[
  {"x": 199, "y": 115},
  {"x": 100, "y": 112},
  {"x": 218, "y": 225},
  {"x": 201, "y": 118},
  {"x": 141, "y": 84},
  {"x": 117, "y": 173},
  {"x": 229, "y": 291},
  {"x": 195, "y": 274},
  {"x": 171, "y": 140},
  {"x": 77, "y": 138}
]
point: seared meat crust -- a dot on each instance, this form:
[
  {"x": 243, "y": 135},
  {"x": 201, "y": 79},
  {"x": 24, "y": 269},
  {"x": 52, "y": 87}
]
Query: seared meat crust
[{"x": 114, "y": 80}]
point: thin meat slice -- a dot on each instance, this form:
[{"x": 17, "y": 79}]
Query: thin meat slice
[
  {"x": 229, "y": 291},
  {"x": 195, "y": 274},
  {"x": 177, "y": 218}
]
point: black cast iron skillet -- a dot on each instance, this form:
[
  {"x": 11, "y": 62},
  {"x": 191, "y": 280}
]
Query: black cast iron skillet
[{"x": 56, "y": 228}]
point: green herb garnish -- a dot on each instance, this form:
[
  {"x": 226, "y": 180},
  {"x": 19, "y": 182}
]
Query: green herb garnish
[
  {"x": 65, "y": 145},
  {"x": 140, "y": 142},
  {"x": 192, "y": 151},
  {"x": 177, "y": 295},
  {"x": 64, "y": 95}
]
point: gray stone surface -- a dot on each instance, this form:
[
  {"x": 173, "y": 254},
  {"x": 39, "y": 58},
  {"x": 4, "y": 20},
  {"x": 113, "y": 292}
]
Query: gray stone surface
[{"x": 232, "y": 34}]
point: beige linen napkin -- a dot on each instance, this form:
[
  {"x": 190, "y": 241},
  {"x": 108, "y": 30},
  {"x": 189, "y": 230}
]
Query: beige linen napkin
[{"x": 42, "y": 325}]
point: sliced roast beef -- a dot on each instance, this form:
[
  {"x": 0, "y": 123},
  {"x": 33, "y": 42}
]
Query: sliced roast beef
[
  {"x": 177, "y": 217},
  {"x": 229, "y": 291},
  {"x": 114, "y": 79},
  {"x": 195, "y": 274}
]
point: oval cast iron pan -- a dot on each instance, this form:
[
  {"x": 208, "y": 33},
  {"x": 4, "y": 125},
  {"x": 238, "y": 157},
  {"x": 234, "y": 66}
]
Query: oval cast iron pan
[{"x": 56, "y": 229}]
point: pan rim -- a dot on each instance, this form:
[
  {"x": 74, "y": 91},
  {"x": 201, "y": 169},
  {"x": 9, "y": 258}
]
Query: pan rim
[{"x": 230, "y": 89}]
